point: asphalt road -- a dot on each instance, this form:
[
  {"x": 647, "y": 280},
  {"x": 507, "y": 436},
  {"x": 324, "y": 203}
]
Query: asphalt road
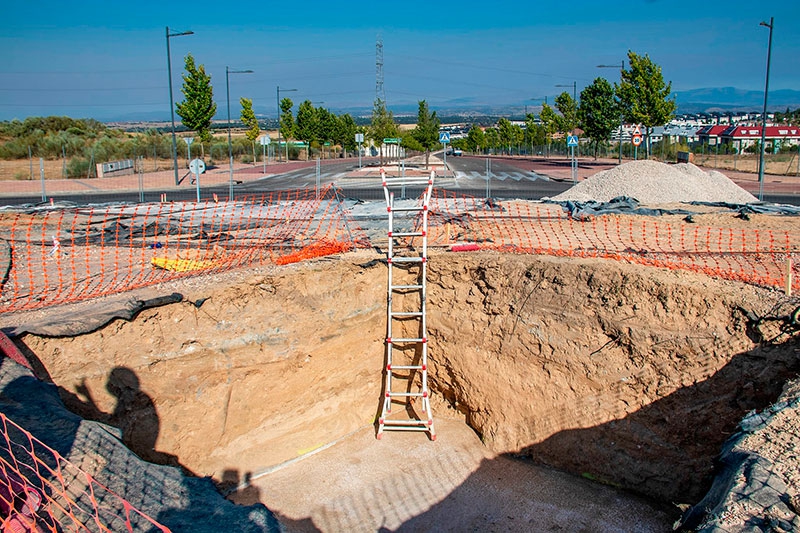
[{"x": 466, "y": 175}]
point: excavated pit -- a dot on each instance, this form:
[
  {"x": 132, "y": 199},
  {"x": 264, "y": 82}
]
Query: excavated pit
[{"x": 627, "y": 375}]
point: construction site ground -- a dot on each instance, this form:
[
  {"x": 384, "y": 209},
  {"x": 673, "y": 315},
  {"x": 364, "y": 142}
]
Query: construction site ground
[
  {"x": 568, "y": 394},
  {"x": 625, "y": 379}
]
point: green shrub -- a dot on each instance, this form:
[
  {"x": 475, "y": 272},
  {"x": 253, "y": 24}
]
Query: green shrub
[{"x": 78, "y": 167}]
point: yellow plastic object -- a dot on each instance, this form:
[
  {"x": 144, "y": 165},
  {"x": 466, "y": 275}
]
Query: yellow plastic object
[{"x": 180, "y": 265}]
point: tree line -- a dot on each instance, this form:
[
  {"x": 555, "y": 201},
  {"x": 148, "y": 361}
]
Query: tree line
[{"x": 641, "y": 97}]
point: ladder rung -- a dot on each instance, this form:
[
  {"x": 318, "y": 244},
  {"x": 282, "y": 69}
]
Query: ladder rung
[
  {"x": 406, "y": 394},
  {"x": 405, "y": 428},
  {"x": 393, "y": 287},
  {"x": 406, "y": 423},
  {"x": 419, "y": 339},
  {"x": 415, "y": 208},
  {"x": 404, "y": 259},
  {"x": 405, "y": 180},
  {"x": 407, "y": 234},
  {"x": 408, "y": 367},
  {"x": 405, "y": 313}
]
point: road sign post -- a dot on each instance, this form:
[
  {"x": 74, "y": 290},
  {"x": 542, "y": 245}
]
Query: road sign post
[
  {"x": 189, "y": 141},
  {"x": 636, "y": 140},
  {"x": 264, "y": 140},
  {"x": 444, "y": 138},
  {"x": 359, "y": 140},
  {"x": 572, "y": 142}
]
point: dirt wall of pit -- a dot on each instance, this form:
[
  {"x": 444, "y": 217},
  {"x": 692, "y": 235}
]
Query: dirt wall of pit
[{"x": 630, "y": 375}]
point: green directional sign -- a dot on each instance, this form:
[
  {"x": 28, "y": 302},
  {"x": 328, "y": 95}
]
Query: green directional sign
[{"x": 391, "y": 140}]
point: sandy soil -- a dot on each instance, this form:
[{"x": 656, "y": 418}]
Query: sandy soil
[{"x": 616, "y": 373}]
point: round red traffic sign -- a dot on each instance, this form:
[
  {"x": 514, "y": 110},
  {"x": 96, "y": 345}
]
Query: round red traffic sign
[{"x": 636, "y": 140}]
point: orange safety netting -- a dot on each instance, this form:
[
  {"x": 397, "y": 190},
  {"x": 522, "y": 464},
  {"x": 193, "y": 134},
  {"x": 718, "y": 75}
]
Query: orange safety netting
[
  {"x": 761, "y": 257},
  {"x": 40, "y": 491},
  {"x": 58, "y": 256}
]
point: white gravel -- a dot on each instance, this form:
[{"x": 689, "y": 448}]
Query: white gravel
[{"x": 651, "y": 182}]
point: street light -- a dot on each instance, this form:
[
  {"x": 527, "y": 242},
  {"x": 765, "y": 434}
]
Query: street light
[
  {"x": 621, "y": 68},
  {"x": 764, "y": 114},
  {"x": 171, "y": 104},
  {"x": 279, "y": 91},
  {"x": 228, "y": 72},
  {"x": 574, "y": 90},
  {"x": 533, "y": 100}
]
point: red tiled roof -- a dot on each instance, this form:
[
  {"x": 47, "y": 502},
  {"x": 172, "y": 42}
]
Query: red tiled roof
[{"x": 772, "y": 132}]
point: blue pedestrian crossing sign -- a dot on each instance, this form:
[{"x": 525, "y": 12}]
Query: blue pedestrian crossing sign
[
  {"x": 444, "y": 137},
  {"x": 572, "y": 140}
]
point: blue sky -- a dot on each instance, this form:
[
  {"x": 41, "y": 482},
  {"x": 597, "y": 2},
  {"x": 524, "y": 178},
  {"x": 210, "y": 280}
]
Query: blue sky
[{"x": 107, "y": 58}]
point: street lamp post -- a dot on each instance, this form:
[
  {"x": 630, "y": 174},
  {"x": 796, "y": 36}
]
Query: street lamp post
[
  {"x": 171, "y": 103},
  {"x": 764, "y": 114},
  {"x": 279, "y": 90},
  {"x": 621, "y": 68},
  {"x": 228, "y": 72},
  {"x": 574, "y": 90}
]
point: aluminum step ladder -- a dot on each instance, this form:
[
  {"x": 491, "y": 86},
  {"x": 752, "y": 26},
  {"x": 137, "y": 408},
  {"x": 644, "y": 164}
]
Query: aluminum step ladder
[{"x": 406, "y": 397}]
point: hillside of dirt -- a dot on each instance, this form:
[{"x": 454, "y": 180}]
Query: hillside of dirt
[{"x": 626, "y": 375}]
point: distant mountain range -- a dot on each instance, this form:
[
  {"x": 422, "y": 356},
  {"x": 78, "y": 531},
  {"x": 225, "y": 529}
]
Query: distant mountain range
[
  {"x": 707, "y": 100},
  {"x": 732, "y": 99}
]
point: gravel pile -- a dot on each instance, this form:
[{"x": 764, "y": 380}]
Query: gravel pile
[{"x": 652, "y": 182}]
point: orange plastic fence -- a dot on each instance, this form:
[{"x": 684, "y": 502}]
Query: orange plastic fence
[
  {"x": 66, "y": 255},
  {"x": 42, "y": 491},
  {"x": 761, "y": 257}
]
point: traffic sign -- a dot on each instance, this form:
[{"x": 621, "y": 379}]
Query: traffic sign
[
  {"x": 264, "y": 140},
  {"x": 391, "y": 140},
  {"x": 637, "y": 131},
  {"x": 197, "y": 166},
  {"x": 444, "y": 137},
  {"x": 359, "y": 137},
  {"x": 572, "y": 140},
  {"x": 637, "y": 138}
]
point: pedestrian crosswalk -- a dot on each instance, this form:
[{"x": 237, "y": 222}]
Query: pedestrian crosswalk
[
  {"x": 501, "y": 176},
  {"x": 452, "y": 180}
]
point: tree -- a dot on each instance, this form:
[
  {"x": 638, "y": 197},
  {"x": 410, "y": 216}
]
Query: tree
[
  {"x": 509, "y": 134},
  {"x": 550, "y": 122},
  {"x": 251, "y": 123},
  {"x": 383, "y": 125},
  {"x": 476, "y": 139},
  {"x": 345, "y": 132},
  {"x": 535, "y": 133},
  {"x": 644, "y": 96},
  {"x": 307, "y": 128},
  {"x": 286, "y": 124},
  {"x": 492, "y": 137},
  {"x": 328, "y": 125},
  {"x": 568, "y": 108},
  {"x": 426, "y": 133},
  {"x": 198, "y": 107},
  {"x": 598, "y": 112}
]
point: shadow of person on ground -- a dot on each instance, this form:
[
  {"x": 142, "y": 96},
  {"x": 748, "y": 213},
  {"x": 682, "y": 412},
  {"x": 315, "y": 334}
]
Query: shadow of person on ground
[{"x": 136, "y": 416}]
